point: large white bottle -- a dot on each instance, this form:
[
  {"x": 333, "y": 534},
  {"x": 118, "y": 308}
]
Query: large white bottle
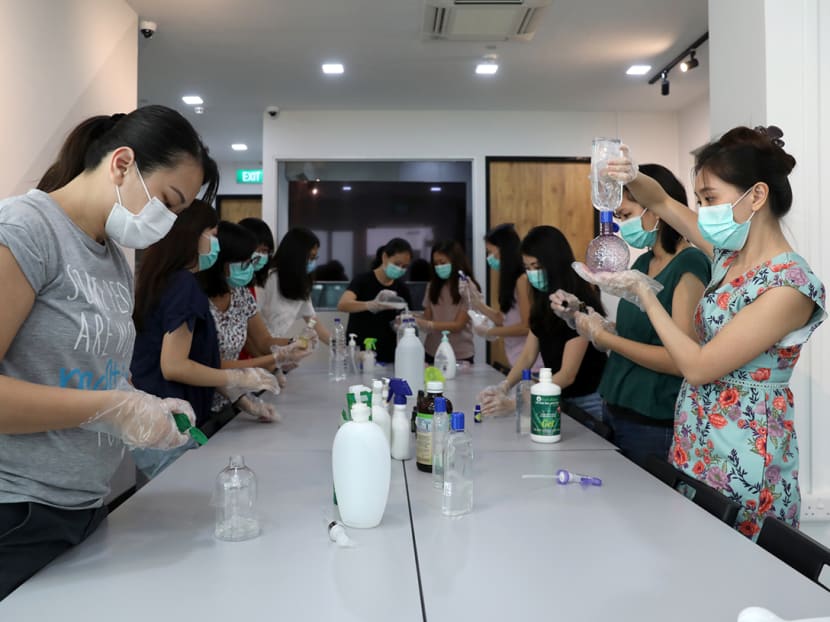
[
  {"x": 379, "y": 413},
  {"x": 545, "y": 416},
  {"x": 409, "y": 360},
  {"x": 445, "y": 356},
  {"x": 361, "y": 468}
]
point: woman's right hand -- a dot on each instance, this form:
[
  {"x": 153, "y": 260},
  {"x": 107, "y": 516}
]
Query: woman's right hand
[
  {"x": 251, "y": 379},
  {"x": 142, "y": 420},
  {"x": 623, "y": 169}
]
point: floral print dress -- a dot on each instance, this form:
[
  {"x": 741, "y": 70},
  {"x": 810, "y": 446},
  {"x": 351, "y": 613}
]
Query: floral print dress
[{"x": 736, "y": 434}]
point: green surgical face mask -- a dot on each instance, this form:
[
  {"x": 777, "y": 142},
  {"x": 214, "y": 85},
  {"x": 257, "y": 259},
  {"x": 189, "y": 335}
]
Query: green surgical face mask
[
  {"x": 538, "y": 279},
  {"x": 393, "y": 271},
  {"x": 443, "y": 270}
]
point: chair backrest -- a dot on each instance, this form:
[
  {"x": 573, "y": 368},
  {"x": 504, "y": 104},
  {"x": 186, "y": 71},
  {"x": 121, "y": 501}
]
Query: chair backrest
[
  {"x": 794, "y": 548},
  {"x": 717, "y": 504},
  {"x": 592, "y": 423}
]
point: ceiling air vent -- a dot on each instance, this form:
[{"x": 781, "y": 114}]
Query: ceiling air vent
[{"x": 482, "y": 20}]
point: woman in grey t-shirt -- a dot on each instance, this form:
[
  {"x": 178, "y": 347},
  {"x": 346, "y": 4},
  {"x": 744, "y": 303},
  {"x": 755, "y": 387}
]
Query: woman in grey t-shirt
[{"x": 66, "y": 332}]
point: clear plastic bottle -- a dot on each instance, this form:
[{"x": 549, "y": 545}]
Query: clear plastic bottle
[
  {"x": 523, "y": 403},
  {"x": 234, "y": 497},
  {"x": 308, "y": 336},
  {"x": 458, "y": 470},
  {"x": 337, "y": 352},
  {"x": 606, "y": 193},
  {"x": 607, "y": 252},
  {"x": 440, "y": 432},
  {"x": 351, "y": 360}
]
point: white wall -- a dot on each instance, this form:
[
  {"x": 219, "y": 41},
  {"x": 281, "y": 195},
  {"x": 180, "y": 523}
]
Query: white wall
[
  {"x": 227, "y": 178},
  {"x": 694, "y": 132},
  {"x": 60, "y": 62}
]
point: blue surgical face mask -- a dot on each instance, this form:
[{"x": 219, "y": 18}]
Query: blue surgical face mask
[
  {"x": 443, "y": 270},
  {"x": 259, "y": 259},
  {"x": 633, "y": 233},
  {"x": 494, "y": 262},
  {"x": 207, "y": 260},
  {"x": 394, "y": 271},
  {"x": 718, "y": 227},
  {"x": 538, "y": 279},
  {"x": 241, "y": 273},
  {"x": 310, "y": 266}
]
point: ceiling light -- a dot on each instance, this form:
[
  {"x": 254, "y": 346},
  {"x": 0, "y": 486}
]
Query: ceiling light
[
  {"x": 486, "y": 69},
  {"x": 689, "y": 64},
  {"x": 664, "y": 84},
  {"x": 199, "y": 109},
  {"x": 435, "y": 189},
  {"x": 193, "y": 100},
  {"x": 638, "y": 70},
  {"x": 314, "y": 191},
  {"x": 333, "y": 68},
  {"x": 346, "y": 188},
  {"x": 239, "y": 147}
]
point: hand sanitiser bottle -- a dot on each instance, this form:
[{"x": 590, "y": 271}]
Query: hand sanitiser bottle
[
  {"x": 361, "y": 468},
  {"x": 401, "y": 430},
  {"x": 337, "y": 352},
  {"x": 445, "y": 356},
  {"x": 458, "y": 470},
  {"x": 234, "y": 498},
  {"x": 369, "y": 356},
  {"x": 440, "y": 432},
  {"x": 607, "y": 252},
  {"x": 379, "y": 413},
  {"x": 545, "y": 416},
  {"x": 308, "y": 337},
  {"x": 523, "y": 403},
  {"x": 409, "y": 360},
  {"x": 352, "y": 364}
]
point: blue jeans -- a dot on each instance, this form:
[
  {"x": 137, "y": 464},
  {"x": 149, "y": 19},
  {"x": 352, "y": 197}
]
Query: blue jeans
[
  {"x": 591, "y": 404},
  {"x": 635, "y": 438}
]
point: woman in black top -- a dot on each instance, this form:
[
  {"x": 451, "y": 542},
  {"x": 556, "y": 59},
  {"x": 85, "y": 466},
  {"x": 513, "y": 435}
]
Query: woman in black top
[
  {"x": 366, "y": 300},
  {"x": 575, "y": 363}
]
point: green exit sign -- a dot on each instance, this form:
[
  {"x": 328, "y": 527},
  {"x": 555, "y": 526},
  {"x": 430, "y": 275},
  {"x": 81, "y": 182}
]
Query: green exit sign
[{"x": 249, "y": 176}]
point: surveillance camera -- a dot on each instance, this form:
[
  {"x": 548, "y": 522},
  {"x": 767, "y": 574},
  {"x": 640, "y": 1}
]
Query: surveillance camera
[
  {"x": 147, "y": 28},
  {"x": 273, "y": 111}
]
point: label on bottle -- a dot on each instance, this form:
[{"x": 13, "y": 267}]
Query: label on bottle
[
  {"x": 545, "y": 417},
  {"x": 423, "y": 439}
]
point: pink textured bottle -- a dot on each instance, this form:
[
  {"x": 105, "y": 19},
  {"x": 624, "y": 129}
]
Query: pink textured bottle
[{"x": 607, "y": 252}]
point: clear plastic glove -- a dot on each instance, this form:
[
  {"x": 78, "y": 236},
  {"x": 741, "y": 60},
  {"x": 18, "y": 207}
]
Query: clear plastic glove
[
  {"x": 279, "y": 374},
  {"x": 386, "y": 300},
  {"x": 631, "y": 285},
  {"x": 292, "y": 353},
  {"x": 496, "y": 401},
  {"x": 142, "y": 420},
  {"x": 622, "y": 169},
  {"x": 565, "y": 306},
  {"x": 468, "y": 290},
  {"x": 591, "y": 325},
  {"x": 262, "y": 410},
  {"x": 481, "y": 324},
  {"x": 251, "y": 379},
  {"x": 423, "y": 325}
]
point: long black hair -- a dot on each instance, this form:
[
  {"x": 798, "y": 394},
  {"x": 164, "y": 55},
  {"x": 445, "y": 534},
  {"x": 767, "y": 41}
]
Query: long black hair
[
  {"x": 505, "y": 238},
  {"x": 667, "y": 236},
  {"x": 178, "y": 250},
  {"x": 235, "y": 244},
  {"x": 289, "y": 262},
  {"x": 159, "y": 136},
  {"x": 264, "y": 237},
  {"x": 555, "y": 256},
  {"x": 459, "y": 261}
]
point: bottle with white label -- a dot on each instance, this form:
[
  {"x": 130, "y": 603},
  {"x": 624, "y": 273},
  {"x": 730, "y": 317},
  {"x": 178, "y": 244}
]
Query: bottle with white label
[{"x": 545, "y": 416}]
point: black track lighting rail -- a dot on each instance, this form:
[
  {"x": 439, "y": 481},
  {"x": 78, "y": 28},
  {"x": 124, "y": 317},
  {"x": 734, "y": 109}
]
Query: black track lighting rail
[{"x": 664, "y": 72}]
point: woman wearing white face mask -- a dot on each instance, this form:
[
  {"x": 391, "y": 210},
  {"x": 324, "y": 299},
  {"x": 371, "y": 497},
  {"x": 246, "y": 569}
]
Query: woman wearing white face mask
[
  {"x": 366, "y": 299},
  {"x": 66, "y": 331},
  {"x": 640, "y": 382},
  {"x": 734, "y": 417}
]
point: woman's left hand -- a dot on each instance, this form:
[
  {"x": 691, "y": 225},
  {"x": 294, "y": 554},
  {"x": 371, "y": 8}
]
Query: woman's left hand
[
  {"x": 631, "y": 285},
  {"x": 593, "y": 327}
]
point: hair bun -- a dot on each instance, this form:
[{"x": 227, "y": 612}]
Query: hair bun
[{"x": 773, "y": 133}]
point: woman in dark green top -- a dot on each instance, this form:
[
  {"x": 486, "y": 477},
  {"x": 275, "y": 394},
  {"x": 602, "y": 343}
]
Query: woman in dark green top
[{"x": 640, "y": 383}]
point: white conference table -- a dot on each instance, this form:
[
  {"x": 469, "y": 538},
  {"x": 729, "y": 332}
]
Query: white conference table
[{"x": 529, "y": 550}]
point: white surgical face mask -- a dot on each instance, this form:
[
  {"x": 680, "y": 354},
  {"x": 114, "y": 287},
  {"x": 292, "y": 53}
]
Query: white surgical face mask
[{"x": 140, "y": 230}]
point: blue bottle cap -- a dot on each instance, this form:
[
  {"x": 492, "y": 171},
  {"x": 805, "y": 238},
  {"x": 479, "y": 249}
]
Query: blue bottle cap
[
  {"x": 440, "y": 404},
  {"x": 606, "y": 216},
  {"x": 458, "y": 421},
  {"x": 525, "y": 374}
]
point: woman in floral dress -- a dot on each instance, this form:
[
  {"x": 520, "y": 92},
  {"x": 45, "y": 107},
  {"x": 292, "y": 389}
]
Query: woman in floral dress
[{"x": 734, "y": 416}]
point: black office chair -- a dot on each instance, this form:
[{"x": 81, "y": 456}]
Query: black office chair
[
  {"x": 794, "y": 548},
  {"x": 704, "y": 496},
  {"x": 579, "y": 414}
]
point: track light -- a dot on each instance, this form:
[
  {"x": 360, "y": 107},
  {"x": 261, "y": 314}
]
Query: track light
[
  {"x": 686, "y": 59},
  {"x": 689, "y": 64}
]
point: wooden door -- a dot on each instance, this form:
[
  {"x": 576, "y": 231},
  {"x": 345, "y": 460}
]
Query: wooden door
[
  {"x": 235, "y": 208},
  {"x": 539, "y": 192}
]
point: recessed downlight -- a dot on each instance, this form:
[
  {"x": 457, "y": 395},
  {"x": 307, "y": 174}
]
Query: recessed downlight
[{"x": 193, "y": 100}]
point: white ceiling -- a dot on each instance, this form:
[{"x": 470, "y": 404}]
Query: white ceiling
[{"x": 244, "y": 55}]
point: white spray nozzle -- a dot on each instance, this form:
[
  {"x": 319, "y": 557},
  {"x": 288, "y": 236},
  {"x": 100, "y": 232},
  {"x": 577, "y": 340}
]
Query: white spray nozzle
[{"x": 338, "y": 535}]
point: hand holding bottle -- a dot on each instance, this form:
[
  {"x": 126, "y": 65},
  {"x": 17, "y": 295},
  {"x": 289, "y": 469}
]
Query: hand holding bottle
[
  {"x": 496, "y": 401},
  {"x": 631, "y": 285},
  {"x": 565, "y": 306},
  {"x": 141, "y": 420},
  {"x": 592, "y": 325},
  {"x": 251, "y": 379},
  {"x": 622, "y": 169},
  {"x": 386, "y": 300},
  {"x": 262, "y": 410},
  {"x": 292, "y": 353}
]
